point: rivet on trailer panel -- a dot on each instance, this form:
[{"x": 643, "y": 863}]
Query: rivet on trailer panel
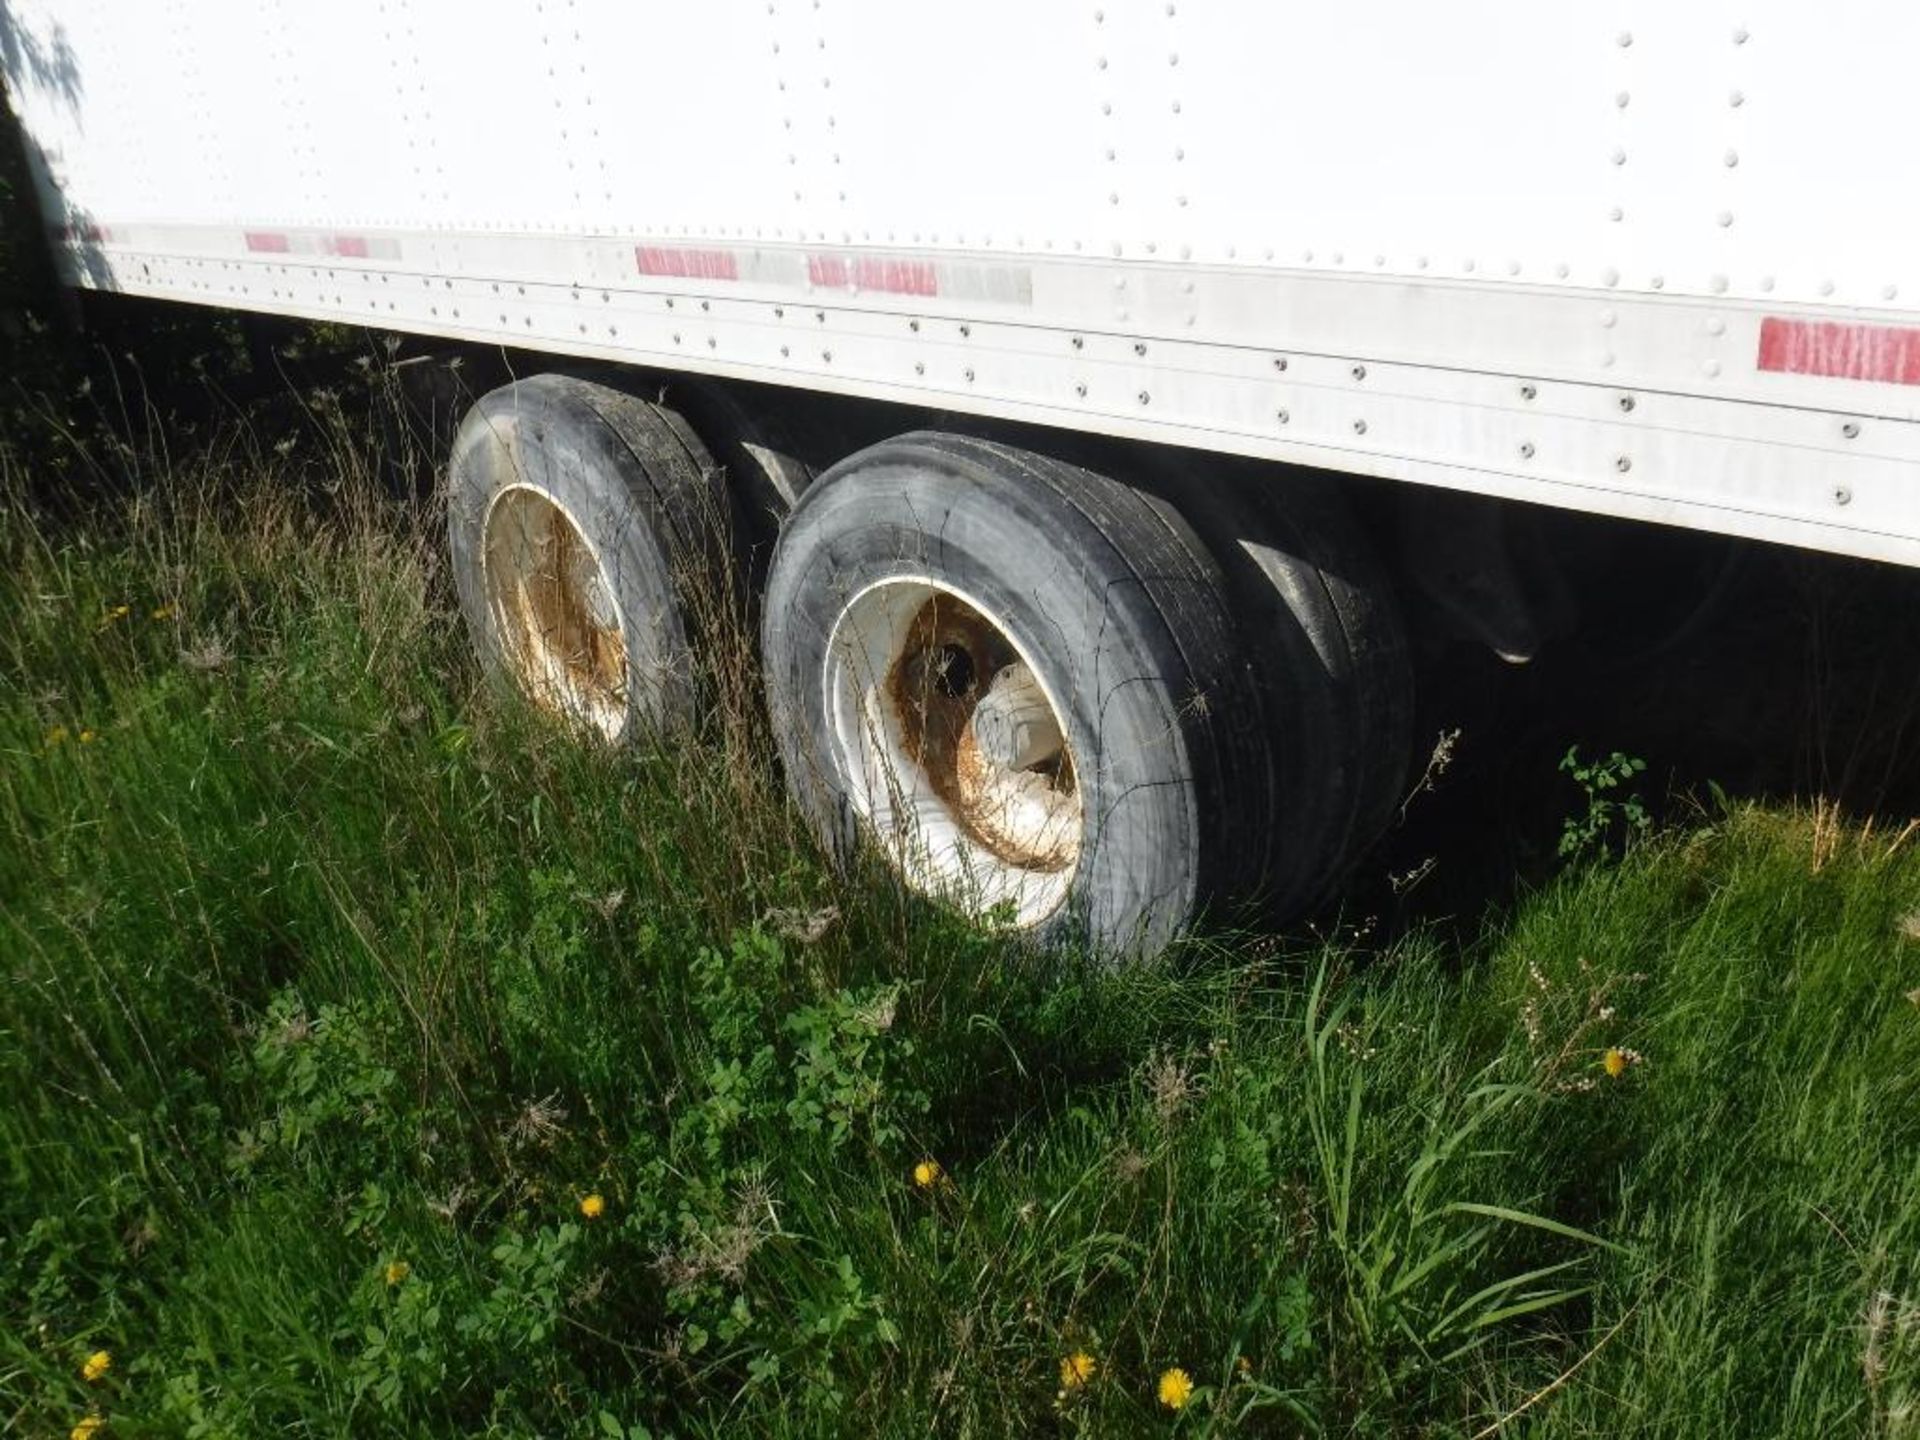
[
  {"x": 1710, "y": 369},
  {"x": 1526, "y": 449},
  {"x": 919, "y": 367},
  {"x": 1140, "y": 347},
  {"x": 1623, "y": 99},
  {"x": 1623, "y": 39},
  {"x": 1280, "y": 362},
  {"x": 1851, "y": 429},
  {"x": 1282, "y": 416},
  {"x": 1529, "y": 390},
  {"x": 1731, "y": 159},
  {"x": 968, "y": 373},
  {"x": 1627, "y": 403},
  {"x": 1892, "y": 292},
  {"x": 1842, "y": 495},
  {"x": 1359, "y": 427},
  {"x": 1716, "y": 326},
  {"x": 1740, "y": 35},
  {"x": 1359, "y": 372},
  {"x": 1080, "y": 389},
  {"x": 1658, "y": 282},
  {"x": 1622, "y": 463},
  {"x": 1145, "y": 398}
]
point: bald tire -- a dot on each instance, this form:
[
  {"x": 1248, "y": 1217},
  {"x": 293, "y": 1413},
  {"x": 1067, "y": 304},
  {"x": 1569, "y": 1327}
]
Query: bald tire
[
  {"x": 639, "y": 486},
  {"x": 1123, "y": 612}
]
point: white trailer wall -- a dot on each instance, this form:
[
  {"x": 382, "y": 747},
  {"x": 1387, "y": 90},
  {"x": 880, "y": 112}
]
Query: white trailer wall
[{"x": 1647, "y": 259}]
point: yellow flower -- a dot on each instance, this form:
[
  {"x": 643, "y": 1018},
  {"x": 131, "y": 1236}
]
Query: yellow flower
[
  {"x": 1614, "y": 1062},
  {"x": 89, "y": 1426},
  {"x": 162, "y": 612},
  {"x": 1176, "y": 1388},
  {"x": 97, "y": 1365},
  {"x": 593, "y": 1206},
  {"x": 87, "y": 737},
  {"x": 927, "y": 1174},
  {"x": 1245, "y": 1367},
  {"x": 1077, "y": 1369},
  {"x": 56, "y": 736},
  {"x": 397, "y": 1270}
]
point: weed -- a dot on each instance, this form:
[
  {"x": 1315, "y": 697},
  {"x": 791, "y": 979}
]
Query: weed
[{"x": 1608, "y": 816}]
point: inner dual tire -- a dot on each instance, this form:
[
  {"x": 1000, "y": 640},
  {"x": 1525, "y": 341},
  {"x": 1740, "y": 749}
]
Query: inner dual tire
[{"x": 1031, "y": 686}]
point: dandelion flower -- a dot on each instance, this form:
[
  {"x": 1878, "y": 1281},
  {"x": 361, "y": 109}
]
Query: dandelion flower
[
  {"x": 87, "y": 737},
  {"x": 927, "y": 1174},
  {"x": 1077, "y": 1369},
  {"x": 1176, "y": 1388},
  {"x": 161, "y": 612},
  {"x": 97, "y": 1364},
  {"x": 1614, "y": 1062},
  {"x": 593, "y": 1206},
  {"x": 56, "y": 736},
  {"x": 89, "y": 1426},
  {"x": 397, "y": 1270}
]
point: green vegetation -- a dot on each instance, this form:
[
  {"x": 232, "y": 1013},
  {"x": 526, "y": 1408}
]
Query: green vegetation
[{"x": 375, "y": 1060}]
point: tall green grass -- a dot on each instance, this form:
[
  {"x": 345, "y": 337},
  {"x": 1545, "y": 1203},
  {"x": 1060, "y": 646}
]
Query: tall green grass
[{"x": 334, "y": 984}]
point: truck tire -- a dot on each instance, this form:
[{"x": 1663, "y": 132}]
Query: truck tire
[
  {"x": 588, "y": 535},
  {"x": 1022, "y": 681},
  {"x": 764, "y": 468},
  {"x": 1331, "y": 659}
]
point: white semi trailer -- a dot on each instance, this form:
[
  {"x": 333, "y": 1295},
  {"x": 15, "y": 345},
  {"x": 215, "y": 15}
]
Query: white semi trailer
[{"x": 1644, "y": 260}]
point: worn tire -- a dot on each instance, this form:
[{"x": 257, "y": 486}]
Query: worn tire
[
  {"x": 764, "y": 468},
  {"x": 640, "y": 539},
  {"x": 1330, "y": 659},
  {"x": 1117, "y": 607}
]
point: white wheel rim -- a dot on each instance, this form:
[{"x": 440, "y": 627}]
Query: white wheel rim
[
  {"x": 554, "y": 609},
  {"x": 933, "y": 706}
]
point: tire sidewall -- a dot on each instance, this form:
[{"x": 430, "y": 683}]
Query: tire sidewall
[
  {"x": 550, "y": 439},
  {"x": 1090, "y": 631}
]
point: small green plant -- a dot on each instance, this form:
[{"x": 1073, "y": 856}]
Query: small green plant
[{"x": 1607, "y": 814}]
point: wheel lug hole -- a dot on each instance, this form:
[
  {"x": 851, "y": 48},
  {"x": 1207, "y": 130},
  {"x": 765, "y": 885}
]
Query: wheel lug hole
[{"x": 952, "y": 670}]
